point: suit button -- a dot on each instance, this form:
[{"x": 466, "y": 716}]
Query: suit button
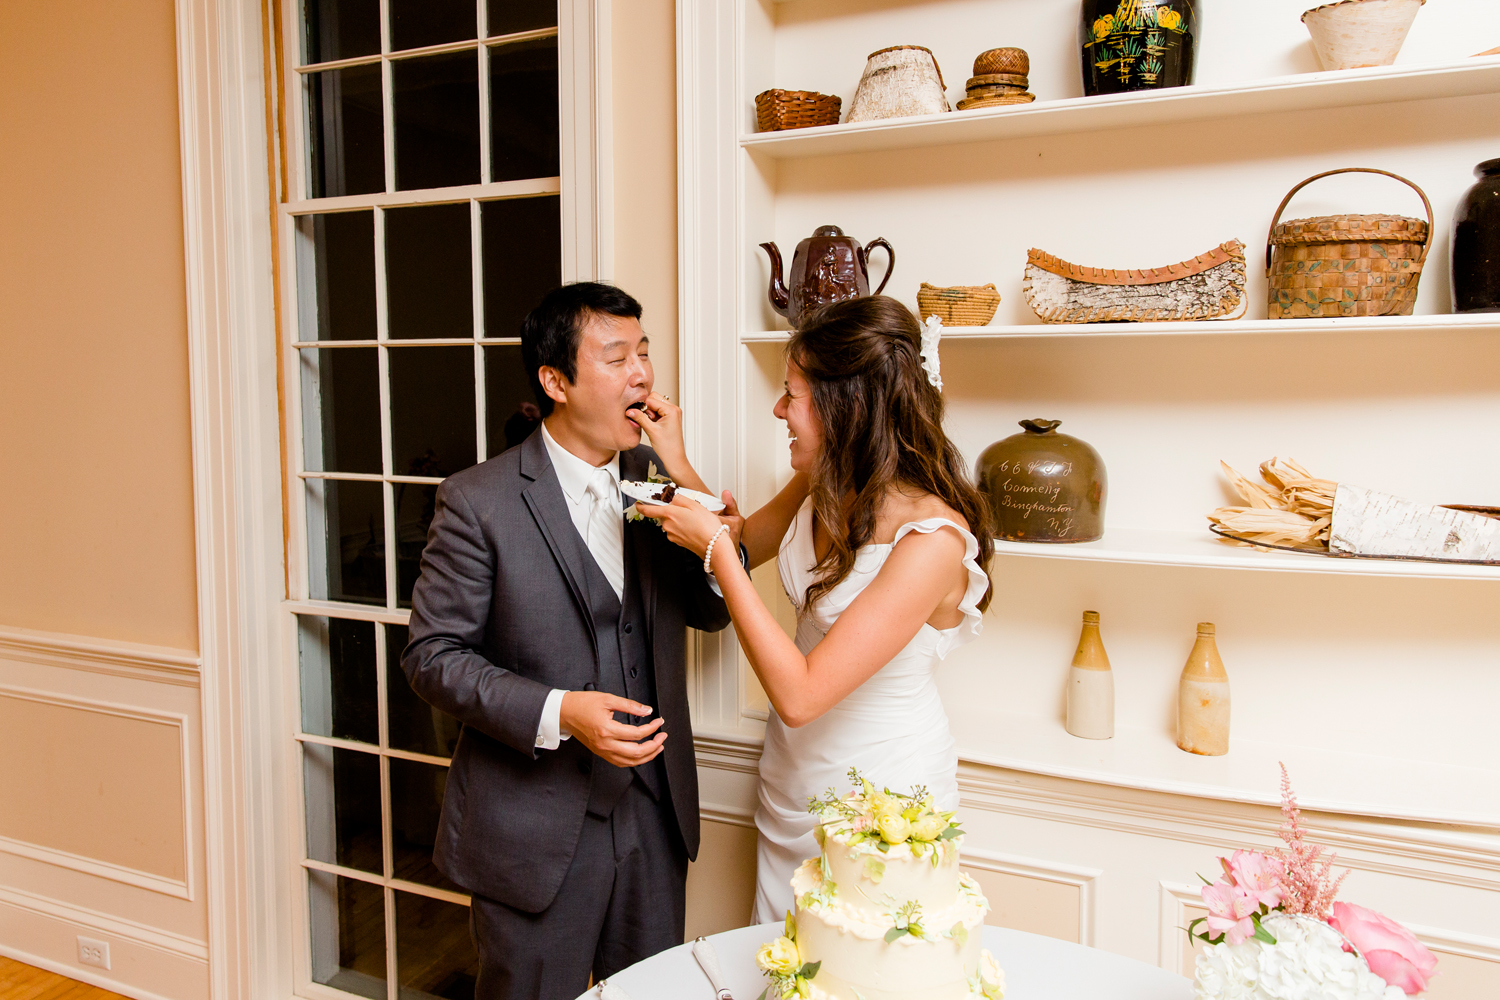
[
  {"x": 633, "y": 672},
  {"x": 583, "y": 766},
  {"x": 591, "y": 687},
  {"x": 629, "y": 628}
]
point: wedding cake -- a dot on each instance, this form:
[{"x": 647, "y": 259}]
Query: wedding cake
[{"x": 883, "y": 913}]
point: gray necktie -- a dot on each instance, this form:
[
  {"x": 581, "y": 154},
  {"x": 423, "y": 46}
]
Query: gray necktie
[{"x": 606, "y": 539}]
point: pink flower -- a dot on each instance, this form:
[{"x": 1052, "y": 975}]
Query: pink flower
[
  {"x": 1229, "y": 911},
  {"x": 863, "y": 823},
  {"x": 1393, "y": 952},
  {"x": 1258, "y": 874}
]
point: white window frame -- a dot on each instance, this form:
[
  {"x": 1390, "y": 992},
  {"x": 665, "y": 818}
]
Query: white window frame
[{"x": 253, "y": 814}]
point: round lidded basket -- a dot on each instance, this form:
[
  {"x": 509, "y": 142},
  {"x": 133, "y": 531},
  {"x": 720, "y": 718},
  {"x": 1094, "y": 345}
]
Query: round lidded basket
[
  {"x": 959, "y": 305},
  {"x": 1346, "y": 265},
  {"x": 778, "y": 110},
  {"x": 1006, "y": 60}
]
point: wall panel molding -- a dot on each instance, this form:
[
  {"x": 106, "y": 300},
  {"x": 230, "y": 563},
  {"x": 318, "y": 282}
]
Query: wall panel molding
[
  {"x": 106, "y": 924},
  {"x": 134, "y": 661},
  {"x": 1082, "y": 879}
]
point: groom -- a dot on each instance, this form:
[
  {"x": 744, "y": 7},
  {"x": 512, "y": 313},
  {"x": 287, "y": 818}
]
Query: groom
[{"x": 554, "y": 630}]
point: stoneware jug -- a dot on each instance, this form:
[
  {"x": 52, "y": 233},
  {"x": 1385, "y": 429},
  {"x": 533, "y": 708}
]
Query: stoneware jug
[
  {"x": 826, "y": 267},
  {"x": 1137, "y": 44},
  {"x": 1476, "y": 244},
  {"x": 1043, "y": 486}
]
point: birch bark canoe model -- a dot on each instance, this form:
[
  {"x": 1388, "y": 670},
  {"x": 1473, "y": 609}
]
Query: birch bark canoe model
[{"x": 1208, "y": 286}]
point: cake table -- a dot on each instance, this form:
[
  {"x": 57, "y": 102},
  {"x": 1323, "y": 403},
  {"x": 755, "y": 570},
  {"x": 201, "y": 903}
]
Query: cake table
[{"x": 1036, "y": 968}]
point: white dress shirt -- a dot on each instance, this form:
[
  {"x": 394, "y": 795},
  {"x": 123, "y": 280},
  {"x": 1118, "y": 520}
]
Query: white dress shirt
[{"x": 574, "y": 476}]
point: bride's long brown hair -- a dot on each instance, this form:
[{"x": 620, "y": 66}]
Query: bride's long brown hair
[{"x": 882, "y": 429}]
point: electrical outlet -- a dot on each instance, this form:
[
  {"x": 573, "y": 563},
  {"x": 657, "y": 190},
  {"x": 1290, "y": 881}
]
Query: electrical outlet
[{"x": 92, "y": 951}]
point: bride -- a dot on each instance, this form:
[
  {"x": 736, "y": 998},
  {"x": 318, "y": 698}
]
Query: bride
[{"x": 882, "y": 545}]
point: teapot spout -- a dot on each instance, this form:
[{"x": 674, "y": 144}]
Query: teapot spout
[{"x": 778, "y": 294}]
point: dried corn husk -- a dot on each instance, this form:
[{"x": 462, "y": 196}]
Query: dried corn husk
[{"x": 1295, "y": 509}]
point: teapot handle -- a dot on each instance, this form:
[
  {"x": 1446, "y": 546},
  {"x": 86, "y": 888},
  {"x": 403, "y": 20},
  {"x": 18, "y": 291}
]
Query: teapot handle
[{"x": 890, "y": 266}]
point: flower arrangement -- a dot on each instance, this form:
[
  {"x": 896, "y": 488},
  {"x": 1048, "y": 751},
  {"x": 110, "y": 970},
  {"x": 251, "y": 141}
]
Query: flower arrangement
[
  {"x": 1277, "y": 933},
  {"x": 782, "y": 963},
  {"x": 884, "y": 819}
]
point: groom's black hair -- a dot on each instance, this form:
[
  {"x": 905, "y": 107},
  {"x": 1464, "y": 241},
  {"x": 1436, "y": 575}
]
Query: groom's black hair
[{"x": 549, "y": 333}]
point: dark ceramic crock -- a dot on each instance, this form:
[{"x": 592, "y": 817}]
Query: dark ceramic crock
[
  {"x": 1043, "y": 486},
  {"x": 1137, "y": 44},
  {"x": 1476, "y": 244}
]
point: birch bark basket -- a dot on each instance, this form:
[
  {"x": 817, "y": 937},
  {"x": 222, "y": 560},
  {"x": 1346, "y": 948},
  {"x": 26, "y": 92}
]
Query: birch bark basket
[{"x": 1370, "y": 523}]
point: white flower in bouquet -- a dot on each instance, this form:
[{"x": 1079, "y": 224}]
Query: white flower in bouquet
[{"x": 1307, "y": 962}]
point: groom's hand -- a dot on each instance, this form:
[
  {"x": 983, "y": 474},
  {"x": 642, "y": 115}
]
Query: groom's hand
[{"x": 590, "y": 717}]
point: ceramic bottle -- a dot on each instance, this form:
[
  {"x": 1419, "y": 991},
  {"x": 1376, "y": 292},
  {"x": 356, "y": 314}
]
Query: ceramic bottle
[
  {"x": 1476, "y": 244},
  {"x": 1091, "y": 685},
  {"x": 1137, "y": 44},
  {"x": 1042, "y": 486},
  {"x": 1203, "y": 699}
]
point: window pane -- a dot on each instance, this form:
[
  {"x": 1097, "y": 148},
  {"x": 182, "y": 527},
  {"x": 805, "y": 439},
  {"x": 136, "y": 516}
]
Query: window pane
[
  {"x": 507, "y": 17},
  {"x": 348, "y": 934},
  {"x": 416, "y": 23},
  {"x": 340, "y": 29},
  {"x": 336, "y": 262},
  {"x": 437, "y": 120},
  {"x": 344, "y": 132},
  {"x": 340, "y": 409},
  {"x": 342, "y": 789},
  {"x": 523, "y": 110},
  {"x": 435, "y": 955},
  {"x": 511, "y": 411},
  {"x": 413, "y": 724},
  {"x": 522, "y": 259},
  {"x": 416, "y": 804},
  {"x": 346, "y": 541},
  {"x": 338, "y": 678},
  {"x": 429, "y": 275},
  {"x": 432, "y": 415}
]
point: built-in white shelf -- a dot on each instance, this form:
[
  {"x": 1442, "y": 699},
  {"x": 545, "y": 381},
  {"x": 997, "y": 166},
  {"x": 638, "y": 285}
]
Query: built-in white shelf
[
  {"x": 1304, "y": 92},
  {"x": 1203, "y": 549},
  {"x": 1383, "y": 324},
  {"x": 1329, "y": 780}
]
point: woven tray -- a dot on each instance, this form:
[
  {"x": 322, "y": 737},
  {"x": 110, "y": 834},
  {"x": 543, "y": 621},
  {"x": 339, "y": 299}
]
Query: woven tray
[
  {"x": 778, "y": 110},
  {"x": 958, "y": 305},
  {"x": 1346, "y": 265}
]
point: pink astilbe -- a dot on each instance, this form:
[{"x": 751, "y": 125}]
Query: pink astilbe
[{"x": 1307, "y": 883}]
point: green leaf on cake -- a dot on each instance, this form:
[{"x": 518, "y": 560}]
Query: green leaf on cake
[
  {"x": 763, "y": 993},
  {"x": 950, "y": 833},
  {"x": 809, "y": 970},
  {"x": 895, "y": 932},
  {"x": 874, "y": 870},
  {"x": 959, "y": 934}
]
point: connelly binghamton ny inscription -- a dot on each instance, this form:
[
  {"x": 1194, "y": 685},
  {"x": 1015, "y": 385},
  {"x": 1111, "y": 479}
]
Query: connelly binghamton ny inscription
[{"x": 1043, "y": 486}]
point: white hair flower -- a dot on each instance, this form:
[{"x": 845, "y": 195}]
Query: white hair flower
[{"x": 932, "y": 331}]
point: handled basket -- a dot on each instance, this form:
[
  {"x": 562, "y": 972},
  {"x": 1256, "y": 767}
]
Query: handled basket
[
  {"x": 777, "y": 110},
  {"x": 1346, "y": 265}
]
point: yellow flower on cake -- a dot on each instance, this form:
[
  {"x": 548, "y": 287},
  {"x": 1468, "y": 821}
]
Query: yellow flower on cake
[
  {"x": 779, "y": 956},
  {"x": 928, "y": 827},
  {"x": 991, "y": 978},
  {"x": 894, "y": 828}
]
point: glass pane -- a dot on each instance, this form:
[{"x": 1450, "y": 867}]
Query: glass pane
[
  {"x": 507, "y": 17},
  {"x": 435, "y": 954},
  {"x": 511, "y": 411},
  {"x": 522, "y": 259},
  {"x": 336, "y": 264},
  {"x": 346, "y": 541},
  {"x": 413, "y": 724},
  {"x": 345, "y": 137},
  {"x": 428, "y": 272},
  {"x": 416, "y": 804},
  {"x": 417, "y": 23},
  {"x": 348, "y": 934},
  {"x": 337, "y": 657},
  {"x": 523, "y": 110},
  {"x": 432, "y": 414},
  {"x": 342, "y": 790},
  {"x": 340, "y": 409},
  {"x": 437, "y": 120},
  {"x": 340, "y": 29}
]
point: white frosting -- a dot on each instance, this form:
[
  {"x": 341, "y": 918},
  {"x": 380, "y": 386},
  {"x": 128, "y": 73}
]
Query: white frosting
[{"x": 865, "y": 873}]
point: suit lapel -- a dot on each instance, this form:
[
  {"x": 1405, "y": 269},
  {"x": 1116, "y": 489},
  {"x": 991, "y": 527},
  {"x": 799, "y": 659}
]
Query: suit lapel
[{"x": 544, "y": 498}]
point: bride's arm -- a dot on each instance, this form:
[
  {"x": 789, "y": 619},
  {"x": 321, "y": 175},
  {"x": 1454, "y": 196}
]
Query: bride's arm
[{"x": 915, "y": 580}]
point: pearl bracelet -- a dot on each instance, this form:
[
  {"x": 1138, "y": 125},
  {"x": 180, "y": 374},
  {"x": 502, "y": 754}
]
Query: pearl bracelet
[{"x": 709, "y": 553}]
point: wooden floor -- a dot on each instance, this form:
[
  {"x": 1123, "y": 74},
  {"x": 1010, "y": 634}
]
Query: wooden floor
[{"x": 22, "y": 982}]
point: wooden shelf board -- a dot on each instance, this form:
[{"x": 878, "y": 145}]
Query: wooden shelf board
[
  {"x": 1303, "y": 92},
  {"x": 1326, "y": 780},
  {"x": 1201, "y": 549},
  {"x": 1035, "y": 331}
]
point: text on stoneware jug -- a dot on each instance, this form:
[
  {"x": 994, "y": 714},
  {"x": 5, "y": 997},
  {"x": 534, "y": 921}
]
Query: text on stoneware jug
[{"x": 1043, "y": 486}]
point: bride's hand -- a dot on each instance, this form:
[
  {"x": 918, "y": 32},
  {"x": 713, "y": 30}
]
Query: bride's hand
[
  {"x": 689, "y": 524},
  {"x": 662, "y": 422}
]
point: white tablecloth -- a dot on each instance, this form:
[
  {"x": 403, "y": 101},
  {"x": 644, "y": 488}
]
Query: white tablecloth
[{"x": 1036, "y": 968}]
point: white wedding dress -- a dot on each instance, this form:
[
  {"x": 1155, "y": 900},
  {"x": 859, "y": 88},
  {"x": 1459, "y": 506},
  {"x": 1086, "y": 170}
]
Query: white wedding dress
[{"x": 892, "y": 727}]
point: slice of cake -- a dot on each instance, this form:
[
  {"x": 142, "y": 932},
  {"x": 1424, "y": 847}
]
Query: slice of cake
[{"x": 883, "y": 913}]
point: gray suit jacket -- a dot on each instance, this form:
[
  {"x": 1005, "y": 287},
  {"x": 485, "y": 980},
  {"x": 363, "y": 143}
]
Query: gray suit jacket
[{"x": 499, "y": 618}]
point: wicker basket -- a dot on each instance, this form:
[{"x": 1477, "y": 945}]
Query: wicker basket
[
  {"x": 1346, "y": 265},
  {"x": 776, "y": 110},
  {"x": 960, "y": 305}
]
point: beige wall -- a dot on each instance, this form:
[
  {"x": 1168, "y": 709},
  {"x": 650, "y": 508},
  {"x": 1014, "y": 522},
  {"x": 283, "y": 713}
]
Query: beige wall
[{"x": 96, "y": 517}]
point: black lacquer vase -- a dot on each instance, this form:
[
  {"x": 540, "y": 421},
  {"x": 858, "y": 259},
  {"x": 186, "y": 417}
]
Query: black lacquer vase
[
  {"x": 1476, "y": 244},
  {"x": 1137, "y": 44}
]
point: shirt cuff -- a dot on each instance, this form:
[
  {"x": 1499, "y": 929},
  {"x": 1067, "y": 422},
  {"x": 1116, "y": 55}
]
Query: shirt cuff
[
  {"x": 713, "y": 583},
  {"x": 550, "y": 733}
]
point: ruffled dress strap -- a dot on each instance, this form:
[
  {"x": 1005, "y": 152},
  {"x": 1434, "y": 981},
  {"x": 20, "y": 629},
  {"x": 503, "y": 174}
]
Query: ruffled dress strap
[{"x": 979, "y": 582}]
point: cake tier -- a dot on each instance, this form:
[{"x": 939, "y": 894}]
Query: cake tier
[
  {"x": 857, "y": 960},
  {"x": 866, "y": 875}
]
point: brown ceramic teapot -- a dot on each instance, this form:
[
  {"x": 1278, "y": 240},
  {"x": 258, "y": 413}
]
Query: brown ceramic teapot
[{"x": 827, "y": 267}]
